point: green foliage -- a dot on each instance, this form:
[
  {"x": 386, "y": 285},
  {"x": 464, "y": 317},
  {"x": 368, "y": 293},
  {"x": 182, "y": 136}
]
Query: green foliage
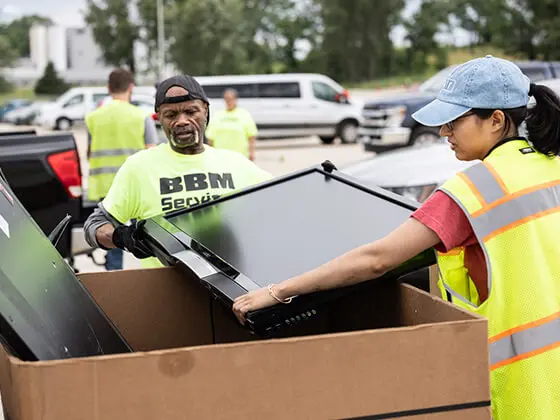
[
  {"x": 5, "y": 86},
  {"x": 113, "y": 31},
  {"x": 206, "y": 39},
  {"x": 50, "y": 83},
  {"x": 8, "y": 54},
  {"x": 356, "y": 44},
  {"x": 17, "y": 32},
  {"x": 347, "y": 39}
]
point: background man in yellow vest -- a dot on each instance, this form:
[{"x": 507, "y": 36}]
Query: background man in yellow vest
[
  {"x": 116, "y": 130},
  {"x": 233, "y": 128}
]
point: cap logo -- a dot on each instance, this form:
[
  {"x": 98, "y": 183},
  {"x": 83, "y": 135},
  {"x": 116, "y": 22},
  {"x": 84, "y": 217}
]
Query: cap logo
[{"x": 449, "y": 85}]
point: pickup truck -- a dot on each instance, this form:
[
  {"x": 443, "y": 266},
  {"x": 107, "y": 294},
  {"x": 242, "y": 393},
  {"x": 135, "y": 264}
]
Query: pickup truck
[
  {"x": 387, "y": 124},
  {"x": 44, "y": 173}
]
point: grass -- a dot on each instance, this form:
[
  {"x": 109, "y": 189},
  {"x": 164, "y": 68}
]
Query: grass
[
  {"x": 455, "y": 56},
  {"x": 390, "y": 82},
  {"x": 23, "y": 93}
]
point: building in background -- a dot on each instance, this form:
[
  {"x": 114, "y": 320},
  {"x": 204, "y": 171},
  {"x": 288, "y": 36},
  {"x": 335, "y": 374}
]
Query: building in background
[{"x": 73, "y": 51}]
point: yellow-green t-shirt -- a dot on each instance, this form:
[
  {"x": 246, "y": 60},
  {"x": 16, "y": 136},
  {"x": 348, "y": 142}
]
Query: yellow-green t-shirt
[
  {"x": 159, "y": 180},
  {"x": 231, "y": 130}
]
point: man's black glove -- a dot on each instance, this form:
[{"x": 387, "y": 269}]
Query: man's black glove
[{"x": 127, "y": 238}]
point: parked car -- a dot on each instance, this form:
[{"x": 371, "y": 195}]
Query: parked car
[
  {"x": 24, "y": 115},
  {"x": 71, "y": 107},
  {"x": 12, "y": 105},
  {"x": 417, "y": 171},
  {"x": 413, "y": 172},
  {"x": 387, "y": 123},
  {"x": 291, "y": 105}
]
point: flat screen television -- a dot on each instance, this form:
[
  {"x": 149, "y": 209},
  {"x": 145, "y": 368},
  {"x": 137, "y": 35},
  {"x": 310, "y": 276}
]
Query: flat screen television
[
  {"x": 276, "y": 230},
  {"x": 45, "y": 311}
]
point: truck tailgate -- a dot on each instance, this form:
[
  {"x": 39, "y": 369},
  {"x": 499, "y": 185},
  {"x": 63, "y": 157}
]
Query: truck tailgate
[{"x": 44, "y": 173}]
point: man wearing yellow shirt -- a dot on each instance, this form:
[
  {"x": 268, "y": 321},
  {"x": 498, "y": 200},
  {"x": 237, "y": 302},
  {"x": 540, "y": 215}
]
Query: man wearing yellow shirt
[
  {"x": 233, "y": 128},
  {"x": 179, "y": 174}
]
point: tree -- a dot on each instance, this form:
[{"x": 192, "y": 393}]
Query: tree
[
  {"x": 355, "y": 43},
  {"x": 520, "y": 27},
  {"x": 484, "y": 18},
  {"x": 113, "y": 31},
  {"x": 205, "y": 38},
  {"x": 7, "y": 56},
  {"x": 286, "y": 23},
  {"x": 264, "y": 29},
  {"x": 421, "y": 29},
  {"x": 50, "y": 83},
  {"x": 17, "y": 32}
]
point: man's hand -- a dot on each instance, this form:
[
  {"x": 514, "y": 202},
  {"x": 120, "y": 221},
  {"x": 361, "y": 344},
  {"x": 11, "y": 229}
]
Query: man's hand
[{"x": 127, "y": 238}]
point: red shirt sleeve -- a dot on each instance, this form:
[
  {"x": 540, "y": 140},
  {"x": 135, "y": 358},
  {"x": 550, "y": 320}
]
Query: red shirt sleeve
[{"x": 442, "y": 215}]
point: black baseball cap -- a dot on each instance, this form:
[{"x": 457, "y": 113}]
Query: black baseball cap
[{"x": 189, "y": 83}]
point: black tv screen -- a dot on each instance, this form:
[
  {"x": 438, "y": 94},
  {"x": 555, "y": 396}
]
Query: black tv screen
[{"x": 287, "y": 228}]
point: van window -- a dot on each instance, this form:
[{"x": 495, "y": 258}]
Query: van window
[
  {"x": 99, "y": 96},
  {"x": 536, "y": 74},
  {"x": 324, "y": 92},
  {"x": 244, "y": 90},
  {"x": 279, "y": 90},
  {"x": 74, "y": 100}
]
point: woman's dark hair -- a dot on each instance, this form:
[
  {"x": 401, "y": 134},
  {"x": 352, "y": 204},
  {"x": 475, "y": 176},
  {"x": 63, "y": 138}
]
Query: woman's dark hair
[{"x": 542, "y": 120}]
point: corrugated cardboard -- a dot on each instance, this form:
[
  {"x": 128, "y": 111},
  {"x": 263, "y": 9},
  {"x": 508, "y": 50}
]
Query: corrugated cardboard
[{"x": 390, "y": 352}]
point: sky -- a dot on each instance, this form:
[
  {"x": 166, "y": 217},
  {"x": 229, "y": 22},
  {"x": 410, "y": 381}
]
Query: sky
[
  {"x": 63, "y": 12},
  {"x": 68, "y": 12}
]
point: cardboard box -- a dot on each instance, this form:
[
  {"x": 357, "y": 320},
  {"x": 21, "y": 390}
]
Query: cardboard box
[{"x": 392, "y": 352}]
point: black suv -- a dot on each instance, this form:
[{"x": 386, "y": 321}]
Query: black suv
[{"x": 387, "y": 123}]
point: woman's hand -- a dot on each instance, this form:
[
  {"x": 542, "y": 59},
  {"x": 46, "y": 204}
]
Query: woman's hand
[{"x": 256, "y": 299}]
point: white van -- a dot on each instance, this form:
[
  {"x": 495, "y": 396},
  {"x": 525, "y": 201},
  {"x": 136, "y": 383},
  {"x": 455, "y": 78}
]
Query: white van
[
  {"x": 290, "y": 105},
  {"x": 72, "y": 106}
]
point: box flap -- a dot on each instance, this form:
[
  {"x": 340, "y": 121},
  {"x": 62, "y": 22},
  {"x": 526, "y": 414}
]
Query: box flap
[{"x": 155, "y": 308}]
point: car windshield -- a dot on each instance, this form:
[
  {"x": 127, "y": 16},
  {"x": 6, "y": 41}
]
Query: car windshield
[{"x": 435, "y": 83}]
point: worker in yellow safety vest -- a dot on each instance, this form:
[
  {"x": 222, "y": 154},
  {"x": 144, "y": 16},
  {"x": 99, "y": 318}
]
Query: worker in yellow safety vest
[
  {"x": 116, "y": 130},
  {"x": 495, "y": 226},
  {"x": 233, "y": 128}
]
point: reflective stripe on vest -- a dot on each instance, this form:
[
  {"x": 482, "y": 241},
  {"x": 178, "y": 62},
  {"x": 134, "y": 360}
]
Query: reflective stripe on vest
[
  {"x": 104, "y": 170},
  {"x": 113, "y": 152},
  {"x": 525, "y": 341},
  {"x": 503, "y": 212},
  {"x": 481, "y": 175}
]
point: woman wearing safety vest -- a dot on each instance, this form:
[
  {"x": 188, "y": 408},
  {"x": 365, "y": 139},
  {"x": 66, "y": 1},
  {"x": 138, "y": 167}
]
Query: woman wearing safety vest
[{"x": 496, "y": 228}]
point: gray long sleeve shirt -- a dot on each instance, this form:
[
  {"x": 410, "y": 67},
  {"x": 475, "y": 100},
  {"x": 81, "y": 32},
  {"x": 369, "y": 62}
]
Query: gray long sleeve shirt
[{"x": 98, "y": 218}]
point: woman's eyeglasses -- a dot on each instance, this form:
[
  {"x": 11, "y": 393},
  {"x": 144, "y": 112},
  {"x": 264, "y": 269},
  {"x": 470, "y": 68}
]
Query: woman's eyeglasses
[{"x": 449, "y": 125}]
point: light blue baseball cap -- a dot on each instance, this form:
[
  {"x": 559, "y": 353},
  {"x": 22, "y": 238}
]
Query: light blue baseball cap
[{"x": 487, "y": 83}]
